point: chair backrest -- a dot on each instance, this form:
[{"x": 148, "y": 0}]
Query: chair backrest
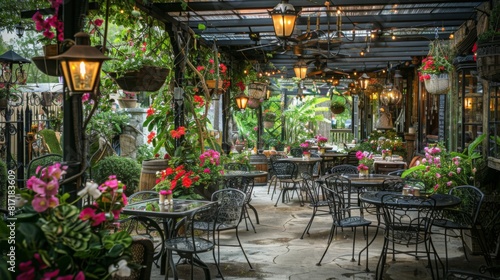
[
  {"x": 472, "y": 198},
  {"x": 284, "y": 169},
  {"x": 142, "y": 195},
  {"x": 236, "y": 166},
  {"x": 317, "y": 166},
  {"x": 142, "y": 253},
  {"x": 338, "y": 208},
  {"x": 407, "y": 218},
  {"x": 296, "y": 152},
  {"x": 384, "y": 168},
  {"x": 393, "y": 185},
  {"x": 230, "y": 203},
  {"x": 43, "y": 161},
  {"x": 342, "y": 187},
  {"x": 344, "y": 169},
  {"x": 312, "y": 192},
  {"x": 244, "y": 184},
  {"x": 203, "y": 218}
]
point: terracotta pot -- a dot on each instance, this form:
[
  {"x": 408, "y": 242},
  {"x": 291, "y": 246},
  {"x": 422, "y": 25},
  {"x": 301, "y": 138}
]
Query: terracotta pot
[
  {"x": 211, "y": 84},
  {"x": 50, "y": 50}
]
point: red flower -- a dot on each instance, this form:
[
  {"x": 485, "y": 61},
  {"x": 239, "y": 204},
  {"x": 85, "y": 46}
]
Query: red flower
[
  {"x": 150, "y": 111},
  {"x": 241, "y": 85},
  {"x": 199, "y": 100},
  {"x": 177, "y": 133},
  {"x": 151, "y": 136}
]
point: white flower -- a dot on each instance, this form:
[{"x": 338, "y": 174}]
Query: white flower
[
  {"x": 120, "y": 269},
  {"x": 92, "y": 189},
  {"x": 20, "y": 201}
]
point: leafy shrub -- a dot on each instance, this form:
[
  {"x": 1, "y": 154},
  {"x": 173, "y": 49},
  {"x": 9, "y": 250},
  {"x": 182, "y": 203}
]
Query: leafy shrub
[
  {"x": 3, "y": 183},
  {"x": 126, "y": 170}
]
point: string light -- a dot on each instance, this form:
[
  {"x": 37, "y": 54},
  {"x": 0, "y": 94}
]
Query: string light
[{"x": 393, "y": 37}]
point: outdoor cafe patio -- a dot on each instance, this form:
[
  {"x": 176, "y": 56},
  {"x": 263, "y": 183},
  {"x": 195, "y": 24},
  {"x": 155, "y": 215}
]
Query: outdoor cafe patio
[{"x": 277, "y": 252}]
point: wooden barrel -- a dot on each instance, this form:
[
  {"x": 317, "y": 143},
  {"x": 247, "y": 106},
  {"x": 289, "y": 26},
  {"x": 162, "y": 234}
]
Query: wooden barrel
[
  {"x": 260, "y": 163},
  {"x": 148, "y": 173}
]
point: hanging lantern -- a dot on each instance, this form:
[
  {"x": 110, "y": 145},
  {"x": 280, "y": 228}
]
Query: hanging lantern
[
  {"x": 284, "y": 16},
  {"x": 300, "y": 69},
  {"x": 241, "y": 101},
  {"x": 364, "y": 80},
  {"x": 390, "y": 95}
]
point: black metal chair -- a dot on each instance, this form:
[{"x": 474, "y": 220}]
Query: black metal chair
[
  {"x": 142, "y": 250},
  {"x": 315, "y": 202},
  {"x": 244, "y": 184},
  {"x": 188, "y": 243},
  {"x": 344, "y": 169},
  {"x": 272, "y": 176},
  {"x": 343, "y": 218},
  {"x": 231, "y": 204},
  {"x": 296, "y": 152},
  {"x": 42, "y": 161},
  {"x": 286, "y": 175},
  {"x": 463, "y": 217},
  {"x": 407, "y": 220}
]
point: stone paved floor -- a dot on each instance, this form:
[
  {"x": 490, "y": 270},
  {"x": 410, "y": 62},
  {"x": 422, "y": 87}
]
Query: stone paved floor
[{"x": 277, "y": 252}]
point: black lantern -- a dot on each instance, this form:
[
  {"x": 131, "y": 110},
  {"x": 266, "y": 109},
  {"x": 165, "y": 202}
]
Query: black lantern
[
  {"x": 300, "y": 69},
  {"x": 19, "y": 30},
  {"x": 241, "y": 101},
  {"x": 284, "y": 16},
  {"x": 81, "y": 64}
]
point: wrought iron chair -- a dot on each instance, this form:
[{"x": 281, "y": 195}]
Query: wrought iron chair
[
  {"x": 296, "y": 152},
  {"x": 151, "y": 227},
  {"x": 315, "y": 202},
  {"x": 43, "y": 161},
  {"x": 245, "y": 185},
  {"x": 464, "y": 217},
  {"x": 286, "y": 174},
  {"x": 407, "y": 220},
  {"x": 272, "y": 176},
  {"x": 188, "y": 243},
  {"x": 142, "y": 253},
  {"x": 231, "y": 203},
  {"x": 342, "y": 218},
  {"x": 344, "y": 169}
]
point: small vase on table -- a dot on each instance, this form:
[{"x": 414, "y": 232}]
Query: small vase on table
[{"x": 364, "y": 172}]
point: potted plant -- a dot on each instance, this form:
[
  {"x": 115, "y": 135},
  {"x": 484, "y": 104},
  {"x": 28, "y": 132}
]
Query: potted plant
[
  {"x": 127, "y": 99},
  {"x": 140, "y": 65},
  {"x": 337, "y": 104},
  {"x": 488, "y": 46},
  {"x": 436, "y": 67},
  {"x": 269, "y": 118},
  {"x": 124, "y": 168}
]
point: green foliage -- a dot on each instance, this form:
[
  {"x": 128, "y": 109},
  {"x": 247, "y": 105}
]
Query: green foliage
[
  {"x": 3, "y": 183},
  {"x": 108, "y": 124},
  {"x": 126, "y": 169},
  {"x": 305, "y": 115},
  {"x": 494, "y": 24},
  {"x": 50, "y": 138},
  {"x": 144, "y": 152}
]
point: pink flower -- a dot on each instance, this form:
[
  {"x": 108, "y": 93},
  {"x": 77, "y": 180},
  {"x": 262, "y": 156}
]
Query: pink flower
[
  {"x": 40, "y": 203},
  {"x": 459, "y": 170},
  {"x": 98, "y": 219},
  {"x": 163, "y": 192},
  {"x": 85, "y": 97},
  {"x": 206, "y": 170},
  {"x": 87, "y": 214},
  {"x": 449, "y": 183},
  {"x": 50, "y": 274}
]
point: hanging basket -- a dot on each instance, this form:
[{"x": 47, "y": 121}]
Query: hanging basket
[
  {"x": 147, "y": 78},
  {"x": 253, "y": 103},
  {"x": 48, "y": 66},
  {"x": 50, "y": 50},
  {"x": 437, "y": 84},
  {"x": 211, "y": 84},
  {"x": 337, "y": 109},
  {"x": 257, "y": 90},
  {"x": 488, "y": 60}
]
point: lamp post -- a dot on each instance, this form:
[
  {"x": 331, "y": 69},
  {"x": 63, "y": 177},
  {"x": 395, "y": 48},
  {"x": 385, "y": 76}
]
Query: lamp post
[
  {"x": 284, "y": 16},
  {"x": 81, "y": 66}
]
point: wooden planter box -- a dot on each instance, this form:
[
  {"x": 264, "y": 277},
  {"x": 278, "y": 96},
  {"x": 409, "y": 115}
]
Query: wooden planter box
[{"x": 148, "y": 78}]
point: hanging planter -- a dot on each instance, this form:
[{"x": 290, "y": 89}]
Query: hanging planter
[
  {"x": 253, "y": 103},
  {"x": 257, "y": 90},
  {"x": 147, "y": 78},
  {"x": 211, "y": 84},
  {"x": 488, "y": 60},
  {"x": 48, "y": 66},
  {"x": 337, "y": 104},
  {"x": 50, "y": 50},
  {"x": 437, "y": 84}
]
